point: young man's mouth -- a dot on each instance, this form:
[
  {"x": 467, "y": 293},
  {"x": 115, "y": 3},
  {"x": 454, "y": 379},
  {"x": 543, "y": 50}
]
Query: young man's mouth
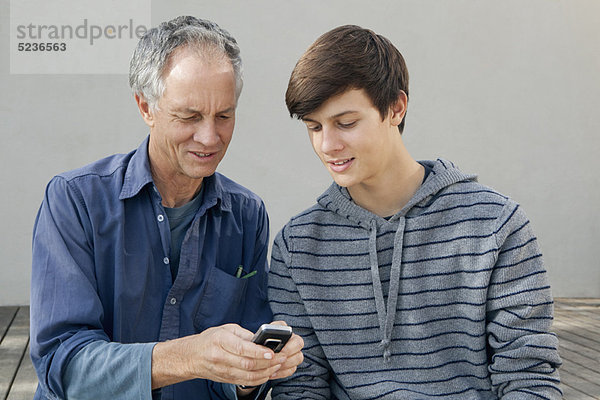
[{"x": 340, "y": 165}]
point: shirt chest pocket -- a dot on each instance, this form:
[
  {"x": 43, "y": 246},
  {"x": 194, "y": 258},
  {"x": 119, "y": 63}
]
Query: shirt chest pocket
[{"x": 222, "y": 300}]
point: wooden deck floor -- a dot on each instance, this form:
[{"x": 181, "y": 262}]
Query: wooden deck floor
[
  {"x": 577, "y": 323},
  {"x": 17, "y": 376}
]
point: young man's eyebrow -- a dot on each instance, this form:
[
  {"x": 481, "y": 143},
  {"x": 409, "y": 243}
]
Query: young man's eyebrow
[{"x": 341, "y": 114}]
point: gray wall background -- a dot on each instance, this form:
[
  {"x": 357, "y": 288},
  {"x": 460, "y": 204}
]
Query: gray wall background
[{"x": 507, "y": 89}]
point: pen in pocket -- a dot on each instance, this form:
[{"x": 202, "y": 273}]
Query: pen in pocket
[{"x": 240, "y": 270}]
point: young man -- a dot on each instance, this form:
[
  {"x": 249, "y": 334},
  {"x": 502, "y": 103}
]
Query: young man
[
  {"x": 407, "y": 279},
  {"x": 149, "y": 268}
]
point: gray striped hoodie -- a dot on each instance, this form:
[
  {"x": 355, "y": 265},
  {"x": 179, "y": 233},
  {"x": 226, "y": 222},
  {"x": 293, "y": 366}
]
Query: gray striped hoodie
[{"x": 447, "y": 299}]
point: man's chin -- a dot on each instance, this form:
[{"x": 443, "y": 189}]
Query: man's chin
[
  {"x": 199, "y": 173},
  {"x": 200, "y": 176}
]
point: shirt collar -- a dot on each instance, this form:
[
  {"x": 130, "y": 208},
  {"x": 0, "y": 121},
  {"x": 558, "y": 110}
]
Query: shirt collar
[
  {"x": 214, "y": 194},
  {"x": 138, "y": 172},
  {"x": 138, "y": 175}
]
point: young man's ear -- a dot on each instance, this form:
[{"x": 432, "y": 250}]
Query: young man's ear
[
  {"x": 144, "y": 108},
  {"x": 398, "y": 109}
]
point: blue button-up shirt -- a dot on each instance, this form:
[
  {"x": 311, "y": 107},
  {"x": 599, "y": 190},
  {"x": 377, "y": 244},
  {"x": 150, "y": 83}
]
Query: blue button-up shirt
[{"x": 101, "y": 268}]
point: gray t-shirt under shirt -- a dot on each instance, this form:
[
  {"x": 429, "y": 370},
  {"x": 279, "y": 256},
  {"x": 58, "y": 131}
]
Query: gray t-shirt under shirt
[{"x": 180, "y": 220}]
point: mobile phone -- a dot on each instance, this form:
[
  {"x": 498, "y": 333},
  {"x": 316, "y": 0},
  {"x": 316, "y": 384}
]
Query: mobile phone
[{"x": 272, "y": 336}]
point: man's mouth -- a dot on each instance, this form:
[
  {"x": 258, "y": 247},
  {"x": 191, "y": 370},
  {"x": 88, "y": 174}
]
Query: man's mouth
[{"x": 202, "y": 155}]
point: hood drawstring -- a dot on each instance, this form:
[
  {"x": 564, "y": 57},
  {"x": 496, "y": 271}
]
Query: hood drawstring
[{"x": 386, "y": 317}]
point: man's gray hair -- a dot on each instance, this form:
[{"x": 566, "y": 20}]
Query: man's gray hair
[{"x": 152, "y": 53}]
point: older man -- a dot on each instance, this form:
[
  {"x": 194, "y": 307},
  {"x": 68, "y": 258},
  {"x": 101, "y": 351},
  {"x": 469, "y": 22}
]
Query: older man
[{"x": 149, "y": 268}]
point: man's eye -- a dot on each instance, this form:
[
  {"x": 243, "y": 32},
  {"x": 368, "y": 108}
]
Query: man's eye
[
  {"x": 224, "y": 117},
  {"x": 190, "y": 119},
  {"x": 313, "y": 128}
]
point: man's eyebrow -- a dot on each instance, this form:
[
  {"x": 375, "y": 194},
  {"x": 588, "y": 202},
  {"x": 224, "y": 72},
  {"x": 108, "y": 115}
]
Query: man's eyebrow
[
  {"x": 185, "y": 111},
  {"x": 194, "y": 111},
  {"x": 227, "y": 110}
]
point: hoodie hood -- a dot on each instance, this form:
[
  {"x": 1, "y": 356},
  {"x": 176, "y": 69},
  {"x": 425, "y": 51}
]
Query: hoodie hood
[
  {"x": 443, "y": 174},
  {"x": 337, "y": 199}
]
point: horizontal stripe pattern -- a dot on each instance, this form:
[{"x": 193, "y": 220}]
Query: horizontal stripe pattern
[{"x": 474, "y": 306}]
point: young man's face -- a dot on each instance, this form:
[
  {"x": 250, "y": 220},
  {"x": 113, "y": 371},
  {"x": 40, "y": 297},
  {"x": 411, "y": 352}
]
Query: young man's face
[
  {"x": 352, "y": 141},
  {"x": 193, "y": 124}
]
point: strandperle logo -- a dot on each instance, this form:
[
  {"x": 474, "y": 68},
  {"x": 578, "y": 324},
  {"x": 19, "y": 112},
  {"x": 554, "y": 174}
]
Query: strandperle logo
[
  {"x": 76, "y": 36},
  {"x": 85, "y": 30}
]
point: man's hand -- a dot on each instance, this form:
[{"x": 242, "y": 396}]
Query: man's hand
[
  {"x": 292, "y": 353},
  {"x": 222, "y": 354}
]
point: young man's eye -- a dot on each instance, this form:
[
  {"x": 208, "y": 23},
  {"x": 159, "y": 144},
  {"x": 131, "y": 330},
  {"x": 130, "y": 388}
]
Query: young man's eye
[
  {"x": 313, "y": 128},
  {"x": 346, "y": 125}
]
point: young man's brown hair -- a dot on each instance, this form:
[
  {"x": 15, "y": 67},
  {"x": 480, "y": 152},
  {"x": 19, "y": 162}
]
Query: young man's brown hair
[{"x": 347, "y": 57}]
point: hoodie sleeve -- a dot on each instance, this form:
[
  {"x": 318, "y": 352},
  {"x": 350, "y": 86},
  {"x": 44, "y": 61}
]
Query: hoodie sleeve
[
  {"x": 311, "y": 379},
  {"x": 524, "y": 353}
]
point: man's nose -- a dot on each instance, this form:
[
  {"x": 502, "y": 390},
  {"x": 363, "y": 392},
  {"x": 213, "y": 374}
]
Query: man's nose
[{"x": 207, "y": 133}]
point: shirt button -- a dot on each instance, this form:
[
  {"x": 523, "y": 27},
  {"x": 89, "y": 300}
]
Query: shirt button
[
  {"x": 166, "y": 260},
  {"x": 160, "y": 218},
  {"x": 173, "y": 300}
]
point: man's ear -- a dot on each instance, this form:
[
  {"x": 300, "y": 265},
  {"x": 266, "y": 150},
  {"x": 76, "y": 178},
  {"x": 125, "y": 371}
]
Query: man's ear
[
  {"x": 144, "y": 108},
  {"x": 398, "y": 109}
]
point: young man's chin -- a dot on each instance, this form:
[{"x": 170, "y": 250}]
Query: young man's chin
[{"x": 343, "y": 181}]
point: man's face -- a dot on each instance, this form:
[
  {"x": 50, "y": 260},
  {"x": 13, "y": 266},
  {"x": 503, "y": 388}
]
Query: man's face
[
  {"x": 352, "y": 141},
  {"x": 195, "y": 117}
]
